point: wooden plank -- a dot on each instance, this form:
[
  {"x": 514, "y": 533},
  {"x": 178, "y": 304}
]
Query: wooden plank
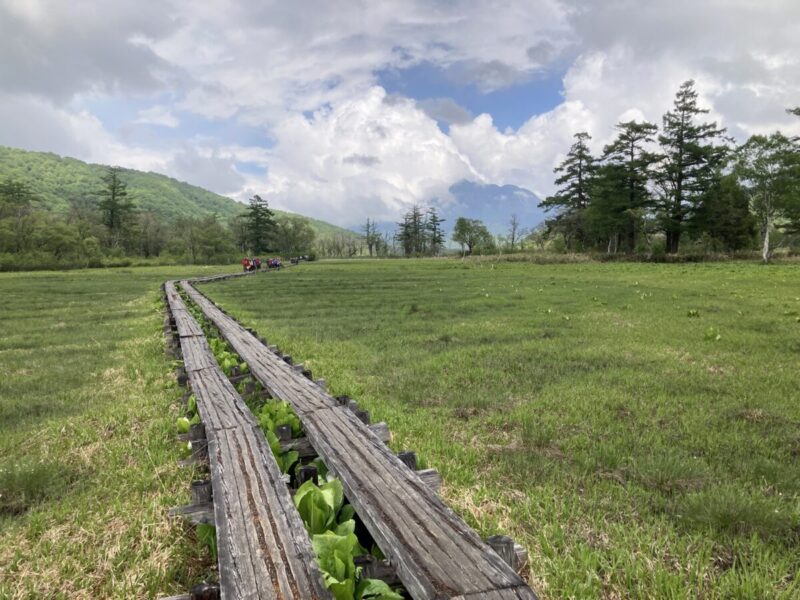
[
  {"x": 264, "y": 551},
  {"x": 276, "y": 375},
  {"x": 194, "y": 513},
  {"x": 197, "y": 354},
  {"x": 185, "y": 323},
  {"x": 435, "y": 553}
]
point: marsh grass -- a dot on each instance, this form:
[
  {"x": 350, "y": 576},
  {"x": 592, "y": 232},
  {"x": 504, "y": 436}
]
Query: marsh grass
[
  {"x": 24, "y": 483},
  {"x": 576, "y": 407},
  {"x": 89, "y": 468},
  {"x": 729, "y": 511}
]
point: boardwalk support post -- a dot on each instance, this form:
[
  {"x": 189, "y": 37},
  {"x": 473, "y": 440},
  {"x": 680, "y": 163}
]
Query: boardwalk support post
[
  {"x": 201, "y": 491},
  {"x": 409, "y": 459}
]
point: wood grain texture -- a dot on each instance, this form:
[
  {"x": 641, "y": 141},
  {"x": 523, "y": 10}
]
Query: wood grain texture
[
  {"x": 264, "y": 551},
  {"x": 436, "y": 555}
]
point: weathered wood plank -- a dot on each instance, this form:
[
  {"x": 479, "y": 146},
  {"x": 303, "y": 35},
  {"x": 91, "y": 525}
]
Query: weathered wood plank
[
  {"x": 264, "y": 551},
  {"x": 194, "y": 513},
  {"x": 435, "y": 553}
]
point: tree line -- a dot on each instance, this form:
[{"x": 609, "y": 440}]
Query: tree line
[
  {"x": 422, "y": 232},
  {"x": 683, "y": 184},
  {"x": 108, "y": 228}
]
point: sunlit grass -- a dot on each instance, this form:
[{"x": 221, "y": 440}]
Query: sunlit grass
[
  {"x": 636, "y": 426},
  {"x": 88, "y": 459}
]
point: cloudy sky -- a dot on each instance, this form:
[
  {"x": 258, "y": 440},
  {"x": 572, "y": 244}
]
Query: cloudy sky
[{"x": 343, "y": 110}]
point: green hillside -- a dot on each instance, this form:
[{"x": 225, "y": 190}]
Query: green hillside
[{"x": 57, "y": 180}]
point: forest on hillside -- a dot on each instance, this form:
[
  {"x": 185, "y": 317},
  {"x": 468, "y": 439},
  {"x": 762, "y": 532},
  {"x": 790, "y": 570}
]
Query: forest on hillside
[{"x": 60, "y": 212}]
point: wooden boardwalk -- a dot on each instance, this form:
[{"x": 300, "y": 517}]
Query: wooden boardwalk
[
  {"x": 436, "y": 555},
  {"x": 264, "y": 551}
]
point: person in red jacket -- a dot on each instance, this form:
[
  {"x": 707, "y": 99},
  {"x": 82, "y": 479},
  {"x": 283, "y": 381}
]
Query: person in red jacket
[{"x": 246, "y": 264}]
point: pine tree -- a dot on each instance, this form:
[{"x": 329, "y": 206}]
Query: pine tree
[
  {"x": 434, "y": 231},
  {"x": 260, "y": 225},
  {"x": 572, "y": 197},
  {"x": 627, "y": 175},
  {"x": 412, "y": 233},
  {"x": 114, "y": 205},
  {"x": 418, "y": 231},
  {"x": 692, "y": 156}
]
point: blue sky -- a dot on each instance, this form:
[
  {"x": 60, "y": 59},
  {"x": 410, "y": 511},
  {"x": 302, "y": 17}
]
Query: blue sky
[
  {"x": 352, "y": 110},
  {"x": 510, "y": 106}
]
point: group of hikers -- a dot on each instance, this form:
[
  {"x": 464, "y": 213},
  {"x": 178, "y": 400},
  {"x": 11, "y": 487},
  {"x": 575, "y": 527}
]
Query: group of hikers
[{"x": 254, "y": 264}]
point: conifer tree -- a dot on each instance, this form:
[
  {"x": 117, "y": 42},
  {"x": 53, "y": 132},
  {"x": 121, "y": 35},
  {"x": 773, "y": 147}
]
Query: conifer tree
[
  {"x": 433, "y": 225},
  {"x": 692, "y": 156},
  {"x": 114, "y": 205},
  {"x": 260, "y": 225},
  {"x": 572, "y": 197},
  {"x": 627, "y": 173}
]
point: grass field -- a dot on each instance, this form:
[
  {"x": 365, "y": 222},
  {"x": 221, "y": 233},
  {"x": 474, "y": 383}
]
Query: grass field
[
  {"x": 88, "y": 462},
  {"x": 637, "y": 427}
]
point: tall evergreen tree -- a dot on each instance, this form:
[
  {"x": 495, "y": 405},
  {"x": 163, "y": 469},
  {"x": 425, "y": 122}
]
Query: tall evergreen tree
[
  {"x": 260, "y": 225},
  {"x": 572, "y": 197},
  {"x": 692, "y": 156},
  {"x": 412, "y": 233},
  {"x": 627, "y": 173},
  {"x": 114, "y": 205},
  {"x": 435, "y": 232}
]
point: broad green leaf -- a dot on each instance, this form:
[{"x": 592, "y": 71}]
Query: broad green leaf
[
  {"x": 346, "y": 528},
  {"x": 335, "y": 557},
  {"x": 287, "y": 459},
  {"x": 376, "y": 552},
  {"x": 334, "y": 493},
  {"x": 182, "y": 424},
  {"x": 315, "y": 512},
  {"x": 347, "y": 513},
  {"x": 375, "y": 589}
]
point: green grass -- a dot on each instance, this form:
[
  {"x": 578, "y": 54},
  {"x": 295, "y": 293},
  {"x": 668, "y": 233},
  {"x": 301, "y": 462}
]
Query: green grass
[
  {"x": 88, "y": 461},
  {"x": 636, "y": 426}
]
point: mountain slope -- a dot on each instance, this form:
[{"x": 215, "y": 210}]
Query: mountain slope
[{"x": 56, "y": 181}]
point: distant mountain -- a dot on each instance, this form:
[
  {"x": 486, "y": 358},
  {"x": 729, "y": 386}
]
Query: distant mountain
[
  {"x": 57, "y": 180},
  {"x": 494, "y": 205}
]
